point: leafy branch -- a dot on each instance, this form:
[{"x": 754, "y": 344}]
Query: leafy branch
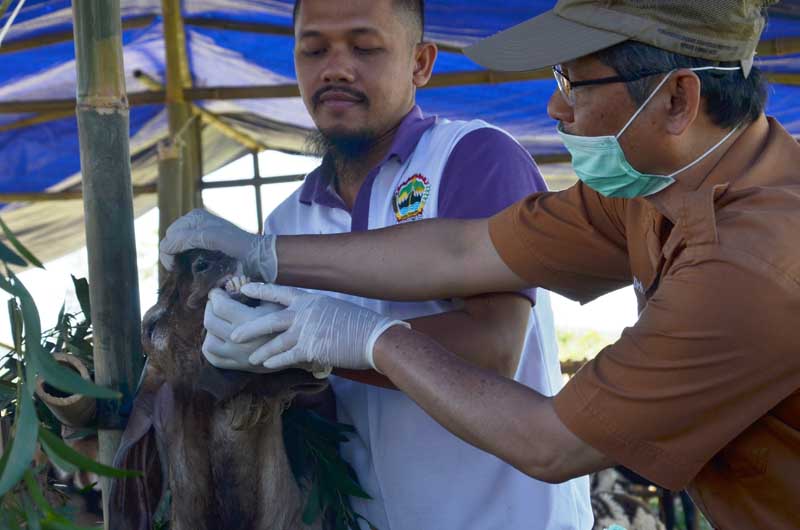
[
  {"x": 312, "y": 447},
  {"x": 23, "y": 486}
]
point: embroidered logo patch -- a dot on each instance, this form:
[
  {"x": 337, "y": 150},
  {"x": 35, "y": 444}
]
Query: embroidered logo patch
[{"x": 410, "y": 197}]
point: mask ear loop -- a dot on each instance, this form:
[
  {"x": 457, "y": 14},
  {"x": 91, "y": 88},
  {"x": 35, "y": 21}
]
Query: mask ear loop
[
  {"x": 643, "y": 105},
  {"x": 704, "y": 155},
  {"x": 654, "y": 92}
]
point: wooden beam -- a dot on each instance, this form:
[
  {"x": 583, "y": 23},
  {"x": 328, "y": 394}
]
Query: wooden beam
[
  {"x": 247, "y": 27},
  {"x": 486, "y": 77},
  {"x": 66, "y": 36},
  {"x": 774, "y": 47},
  {"x": 260, "y": 181},
  {"x": 779, "y": 47},
  {"x": 272, "y": 29},
  {"x": 208, "y": 117},
  {"x": 783, "y": 79},
  {"x": 560, "y": 158},
  {"x": 478, "y": 77},
  {"x": 37, "y": 119},
  {"x": 63, "y": 195}
]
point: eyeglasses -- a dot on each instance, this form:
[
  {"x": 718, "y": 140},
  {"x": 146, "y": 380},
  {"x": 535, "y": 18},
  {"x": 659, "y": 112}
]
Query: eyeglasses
[{"x": 565, "y": 86}]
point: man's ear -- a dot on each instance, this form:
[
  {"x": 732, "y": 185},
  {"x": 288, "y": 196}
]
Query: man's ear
[
  {"x": 424, "y": 59},
  {"x": 685, "y": 103}
]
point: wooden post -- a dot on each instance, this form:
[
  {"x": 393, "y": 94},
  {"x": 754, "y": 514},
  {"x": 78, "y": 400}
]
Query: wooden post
[
  {"x": 259, "y": 205},
  {"x": 103, "y": 124},
  {"x": 179, "y": 110},
  {"x": 169, "y": 190}
]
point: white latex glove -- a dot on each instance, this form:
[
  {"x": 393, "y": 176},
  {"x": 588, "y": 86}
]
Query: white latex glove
[
  {"x": 314, "y": 328},
  {"x": 222, "y": 315},
  {"x": 200, "y": 229}
]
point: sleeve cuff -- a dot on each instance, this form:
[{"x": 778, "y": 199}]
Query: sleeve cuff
[{"x": 586, "y": 420}]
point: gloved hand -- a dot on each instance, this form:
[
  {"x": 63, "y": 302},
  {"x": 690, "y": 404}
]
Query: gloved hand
[
  {"x": 314, "y": 328},
  {"x": 222, "y": 315},
  {"x": 200, "y": 229}
]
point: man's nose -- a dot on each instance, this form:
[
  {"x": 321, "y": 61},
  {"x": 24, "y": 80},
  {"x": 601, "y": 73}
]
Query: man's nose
[
  {"x": 338, "y": 68},
  {"x": 559, "y": 109}
]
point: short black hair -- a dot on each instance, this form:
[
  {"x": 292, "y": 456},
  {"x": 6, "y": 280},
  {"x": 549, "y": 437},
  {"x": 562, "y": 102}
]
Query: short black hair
[
  {"x": 415, "y": 8},
  {"x": 731, "y": 99}
]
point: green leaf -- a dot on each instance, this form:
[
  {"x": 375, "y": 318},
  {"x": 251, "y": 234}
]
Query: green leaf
[
  {"x": 62, "y": 326},
  {"x": 67, "y": 380},
  {"x": 54, "y": 524},
  {"x": 55, "y": 444},
  {"x": 11, "y": 520},
  {"x": 31, "y": 515},
  {"x": 56, "y": 459},
  {"x": 15, "y": 318},
  {"x": 39, "y": 361},
  {"x": 24, "y": 252},
  {"x": 8, "y": 390},
  {"x": 80, "y": 434},
  {"x": 87, "y": 488},
  {"x": 313, "y": 505},
  {"x": 23, "y": 444},
  {"x": 36, "y": 492},
  {"x": 339, "y": 473},
  {"x": 82, "y": 292},
  {"x": 8, "y": 255}
]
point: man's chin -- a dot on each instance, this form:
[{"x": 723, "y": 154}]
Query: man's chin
[{"x": 341, "y": 141}]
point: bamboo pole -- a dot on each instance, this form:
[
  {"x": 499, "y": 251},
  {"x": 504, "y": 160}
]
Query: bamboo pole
[
  {"x": 103, "y": 123},
  {"x": 169, "y": 190},
  {"x": 76, "y": 195},
  {"x": 259, "y": 205},
  {"x": 145, "y": 189},
  {"x": 4, "y": 7},
  {"x": 66, "y": 36},
  {"x": 179, "y": 111}
]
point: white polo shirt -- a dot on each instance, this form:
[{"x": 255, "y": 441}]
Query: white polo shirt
[{"x": 419, "y": 475}]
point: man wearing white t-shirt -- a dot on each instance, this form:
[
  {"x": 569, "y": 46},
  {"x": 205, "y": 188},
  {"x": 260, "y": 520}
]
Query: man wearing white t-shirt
[{"x": 358, "y": 64}]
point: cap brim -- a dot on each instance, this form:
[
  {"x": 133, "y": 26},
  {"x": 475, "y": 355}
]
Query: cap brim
[{"x": 542, "y": 41}]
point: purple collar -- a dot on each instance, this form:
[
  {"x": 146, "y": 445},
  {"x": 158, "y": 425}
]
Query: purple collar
[{"x": 316, "y": 187}]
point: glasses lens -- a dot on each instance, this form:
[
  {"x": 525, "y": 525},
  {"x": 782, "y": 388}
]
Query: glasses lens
[{"x": 564, "y": 85}]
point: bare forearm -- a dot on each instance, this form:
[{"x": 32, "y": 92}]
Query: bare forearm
[
  {"x": 487, "y": 331},
  {"x": 424, "y": 260},
  {"x": 492, "y": 413}
]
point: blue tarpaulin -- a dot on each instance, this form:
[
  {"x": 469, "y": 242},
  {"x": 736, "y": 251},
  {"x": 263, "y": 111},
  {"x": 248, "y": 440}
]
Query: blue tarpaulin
[{"x": 45, "y": 156}]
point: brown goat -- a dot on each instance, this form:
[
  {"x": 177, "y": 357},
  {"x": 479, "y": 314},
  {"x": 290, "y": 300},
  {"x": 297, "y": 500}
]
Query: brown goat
[{"x": 216, "y": 436}]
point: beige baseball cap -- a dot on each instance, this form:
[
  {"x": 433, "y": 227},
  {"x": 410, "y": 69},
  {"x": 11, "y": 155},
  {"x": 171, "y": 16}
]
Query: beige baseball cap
[{"x": 718, "y": 30}]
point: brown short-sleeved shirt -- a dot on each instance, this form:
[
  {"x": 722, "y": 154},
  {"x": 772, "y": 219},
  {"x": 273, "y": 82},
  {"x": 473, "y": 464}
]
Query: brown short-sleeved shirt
[{"x": 704, "y": 391}]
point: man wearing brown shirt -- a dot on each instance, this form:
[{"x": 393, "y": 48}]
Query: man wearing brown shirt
[{"x": 687, "y": 191}]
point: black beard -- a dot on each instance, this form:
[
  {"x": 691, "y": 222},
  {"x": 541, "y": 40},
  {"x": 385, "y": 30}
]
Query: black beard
[{"x": 342, "y": 148}]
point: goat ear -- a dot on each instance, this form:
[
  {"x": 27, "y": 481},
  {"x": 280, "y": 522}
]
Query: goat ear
[{"x": 134, "y": 501}]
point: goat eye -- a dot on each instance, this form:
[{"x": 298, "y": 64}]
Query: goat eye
[{"x": 201, "y": 265}]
